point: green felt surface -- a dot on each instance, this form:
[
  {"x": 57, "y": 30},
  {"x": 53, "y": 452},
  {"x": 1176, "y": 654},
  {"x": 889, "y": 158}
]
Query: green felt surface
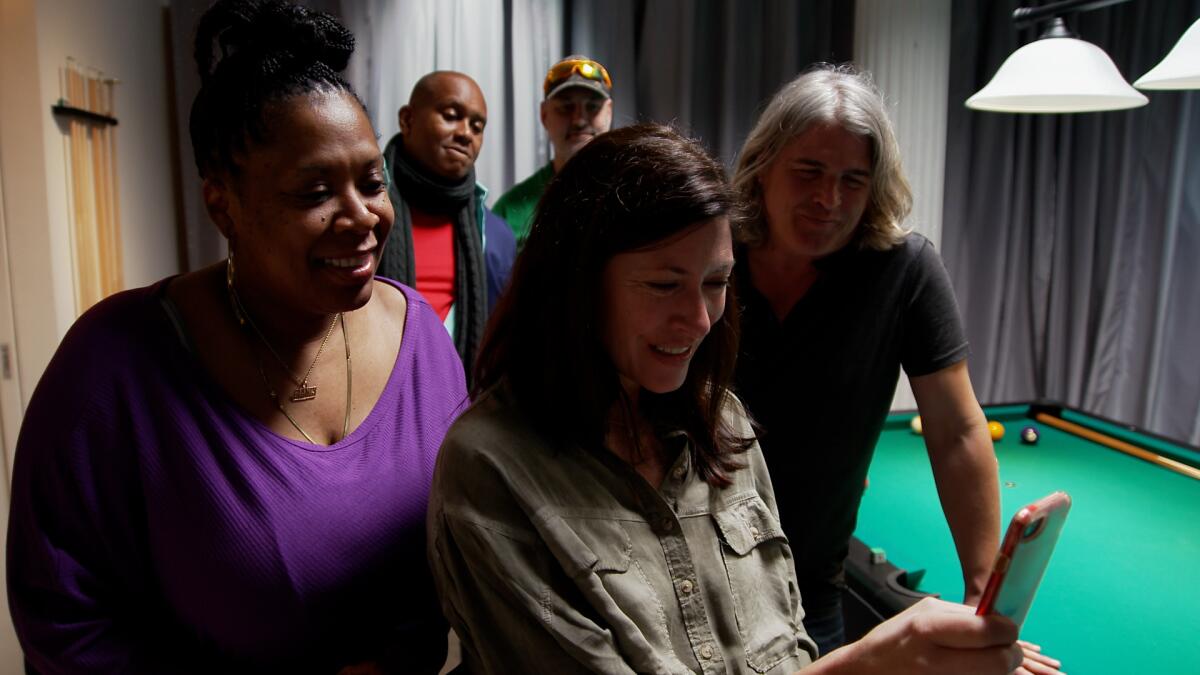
[{"x": 1122, "y": 593}]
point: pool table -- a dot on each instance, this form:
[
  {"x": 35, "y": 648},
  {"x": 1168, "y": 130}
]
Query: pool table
[{"x": 1122, "y": 593}]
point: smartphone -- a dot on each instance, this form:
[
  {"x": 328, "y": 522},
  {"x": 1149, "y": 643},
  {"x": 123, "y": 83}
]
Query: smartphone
[{"x": 1024, "y": 556}]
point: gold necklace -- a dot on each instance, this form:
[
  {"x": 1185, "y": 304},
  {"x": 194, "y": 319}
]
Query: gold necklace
[
  {"x": 309, "y": 393},
  {"x": 278, "y": 405},
  {"x": 302, "y": 392}
]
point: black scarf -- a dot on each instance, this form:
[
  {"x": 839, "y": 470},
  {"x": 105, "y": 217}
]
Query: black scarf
[{"x": 412, "y": 187}]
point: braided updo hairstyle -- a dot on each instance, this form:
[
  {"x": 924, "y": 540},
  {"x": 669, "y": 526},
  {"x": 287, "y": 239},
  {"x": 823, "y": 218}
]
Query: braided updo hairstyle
[{"x": 251, "y": 54}]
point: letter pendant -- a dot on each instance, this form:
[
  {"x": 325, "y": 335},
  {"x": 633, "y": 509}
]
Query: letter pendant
[{"x": 303, "y": 393}]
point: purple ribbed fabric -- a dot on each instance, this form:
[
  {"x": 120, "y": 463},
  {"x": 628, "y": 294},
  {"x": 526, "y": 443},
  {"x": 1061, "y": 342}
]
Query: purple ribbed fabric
[{"x": 156, "y": 527}]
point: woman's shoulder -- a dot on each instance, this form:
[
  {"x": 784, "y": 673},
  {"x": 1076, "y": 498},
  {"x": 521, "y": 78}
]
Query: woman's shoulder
[
  {"x": 738, "y": 422},
  {"x": 489, "y": 456},
  {"x": 110, "y": 328},
  {"x": 733, "y": 408},
  {"x": 115, "y": 345},
  {"x": 496, "y": 438},
  {"x": 493, "y": 428},
  {"x": 404, "y": 309},
  {"x": 736, "y": 418},
  {"x": 129, "y": 301}
]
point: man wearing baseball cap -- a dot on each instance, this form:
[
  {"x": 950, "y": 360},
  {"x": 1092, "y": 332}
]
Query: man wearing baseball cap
[{"x": 577, "y": 107}]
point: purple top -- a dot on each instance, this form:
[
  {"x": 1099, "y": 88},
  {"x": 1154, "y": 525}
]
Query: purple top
[{"x": 156, "y": 527}]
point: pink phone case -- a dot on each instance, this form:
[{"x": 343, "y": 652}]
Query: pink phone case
[{"x": 1024, "y": 556}]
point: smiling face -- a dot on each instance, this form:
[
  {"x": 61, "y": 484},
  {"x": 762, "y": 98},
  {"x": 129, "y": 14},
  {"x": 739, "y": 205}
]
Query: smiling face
[
  {"x": 815, "y": 191},
  {"x": 660, "y": 302},
  {"x": 573, "y": 117},
  {"x": 443, "y": 124},
  {"x": 307, "y": 212}
]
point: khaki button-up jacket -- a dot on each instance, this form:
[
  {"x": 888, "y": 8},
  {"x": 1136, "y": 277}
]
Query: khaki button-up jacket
[{"x": 563, "y": 560}]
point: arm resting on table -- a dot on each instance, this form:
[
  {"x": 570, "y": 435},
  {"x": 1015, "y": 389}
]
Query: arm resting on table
[{"x": 964, "y": 468}]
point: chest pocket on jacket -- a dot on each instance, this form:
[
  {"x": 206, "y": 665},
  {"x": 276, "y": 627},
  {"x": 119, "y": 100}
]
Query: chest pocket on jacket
[
  {"x": 586, "y": 545},
  {"x": 762, "y": 579}
]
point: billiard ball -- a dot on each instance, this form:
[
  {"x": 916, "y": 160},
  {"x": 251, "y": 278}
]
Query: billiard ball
[
  {"x": 1029, "y": 435},
  {"x": 916, "y": 424},
  {"x": 996, "y": 429}
]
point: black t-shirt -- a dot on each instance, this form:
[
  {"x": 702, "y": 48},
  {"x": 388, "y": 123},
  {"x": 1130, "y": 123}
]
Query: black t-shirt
[{"x": 821, "y": 382}]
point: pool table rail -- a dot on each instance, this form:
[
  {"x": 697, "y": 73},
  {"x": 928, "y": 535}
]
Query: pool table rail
[
  {"x": 874, "y": 591},
  {"x": 1163, "y": 446}
]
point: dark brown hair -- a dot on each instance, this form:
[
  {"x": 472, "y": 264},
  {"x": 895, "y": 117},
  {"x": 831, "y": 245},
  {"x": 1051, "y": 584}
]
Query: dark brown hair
[{"x": 628, "y": 189}]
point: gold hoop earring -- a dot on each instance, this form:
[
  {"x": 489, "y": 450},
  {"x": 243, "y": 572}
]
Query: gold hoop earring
[{"x": 237, "y": 308}]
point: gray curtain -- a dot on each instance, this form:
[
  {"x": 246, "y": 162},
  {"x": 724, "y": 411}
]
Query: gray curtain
[
  {"x": 708, "y": 66},
  {"x": 1072, "y": 239}
]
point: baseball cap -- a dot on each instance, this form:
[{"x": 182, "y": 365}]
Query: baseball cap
[{"x": 577, "y": 71}]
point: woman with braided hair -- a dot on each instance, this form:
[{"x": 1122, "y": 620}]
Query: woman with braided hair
[{"x": 227, "y": 471}]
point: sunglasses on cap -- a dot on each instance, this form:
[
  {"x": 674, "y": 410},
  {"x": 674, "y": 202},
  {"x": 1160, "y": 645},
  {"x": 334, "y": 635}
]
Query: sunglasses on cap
[{"x": 586, "y": 69}]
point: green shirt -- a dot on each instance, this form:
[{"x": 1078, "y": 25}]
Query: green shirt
[
  {"x": 562, "y": 560},
  {"x": 518, "y": 204}
]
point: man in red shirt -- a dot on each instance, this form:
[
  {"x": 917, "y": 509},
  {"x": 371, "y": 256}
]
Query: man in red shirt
[{"x": 446, "y": 243}]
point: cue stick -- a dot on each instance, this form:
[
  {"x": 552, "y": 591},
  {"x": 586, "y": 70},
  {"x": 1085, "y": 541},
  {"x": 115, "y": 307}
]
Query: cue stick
[
  {"x": 100, "y": 169},
  {"x": 87, "y": 247},
  {"x": 1117, "y": 444},
  {"x": 115, "y": 231},
  {"x": 77, "y": 174},
  {"x": 106, "y": 186},
  {"x": 80, "y": 223},
  {"x": 103, "y": 191},
  {"x": 98, "y": 187},
  {"x": 73, "y": 172},
  {"x": 96, "y": 221}
]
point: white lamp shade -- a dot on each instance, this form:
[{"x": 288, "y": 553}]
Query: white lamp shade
[
  {"x": 1057, "y": 75},
  {"x": 1181, "y": 68}
]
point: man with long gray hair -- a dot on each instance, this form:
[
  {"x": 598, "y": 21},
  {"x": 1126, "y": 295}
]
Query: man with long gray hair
[{"x": 837, "y": 298}]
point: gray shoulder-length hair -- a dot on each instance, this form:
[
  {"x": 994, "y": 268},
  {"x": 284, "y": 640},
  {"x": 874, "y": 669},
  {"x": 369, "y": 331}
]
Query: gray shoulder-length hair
[{"x": 827, "y": 94}]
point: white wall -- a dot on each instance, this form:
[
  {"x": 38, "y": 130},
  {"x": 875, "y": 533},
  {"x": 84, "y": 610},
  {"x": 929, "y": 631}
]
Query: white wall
[
  {"x": 124, "y": 38},
  {"x": 23, "y": 170}
]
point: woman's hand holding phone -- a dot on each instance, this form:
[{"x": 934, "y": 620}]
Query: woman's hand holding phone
[
  {"x": 935, "y": 636},
  {"x": 931, "y": 637}
]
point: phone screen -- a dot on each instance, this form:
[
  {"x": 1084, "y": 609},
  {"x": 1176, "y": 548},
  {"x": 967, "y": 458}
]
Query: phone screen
[{"x": 1024, "y": 557}]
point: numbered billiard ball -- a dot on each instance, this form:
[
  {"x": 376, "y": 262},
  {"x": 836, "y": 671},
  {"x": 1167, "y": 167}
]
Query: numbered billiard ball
[
  {"x": 916, "y": 424},
  {"x": 1029, "y": 435},
  {"x": 996, "y": 429}
]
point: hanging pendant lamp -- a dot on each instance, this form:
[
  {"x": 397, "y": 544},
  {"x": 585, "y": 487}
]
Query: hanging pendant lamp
[
  {"x": 1181, "y": 68},
  {"x": 1057, "y": 73}
]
